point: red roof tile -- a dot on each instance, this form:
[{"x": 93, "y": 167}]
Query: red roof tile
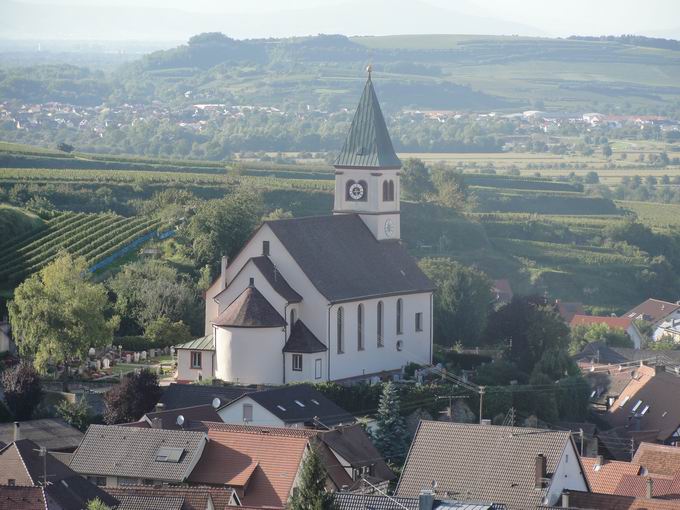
[
  {"x": 605, "y": 477},
  {"x": 658, "y": 459},
  {"x": 22, "y": 498},
  {"x": 613, "y": 322},
  {"x": 590, "y": 500}
]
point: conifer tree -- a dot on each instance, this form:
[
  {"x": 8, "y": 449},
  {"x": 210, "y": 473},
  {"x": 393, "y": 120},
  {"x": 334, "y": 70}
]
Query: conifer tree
[
  {"x": 391, "y": 437},
  {"x": 311, "y": 493}
]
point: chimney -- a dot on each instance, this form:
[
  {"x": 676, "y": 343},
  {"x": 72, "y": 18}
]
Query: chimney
[
  {"x": 156, "y": 423},
  {"x": 17, "y": 432},
  {"x": 160, "y": 407},
  {"x": 426, "y": 499},
  {"x": 223, "y": 272},
  {"x": 600, "y": 461},
  {"x": 650, "y": 488},
  {"x": 565, "y": 499},
  {"x": 540, "y": 472}
]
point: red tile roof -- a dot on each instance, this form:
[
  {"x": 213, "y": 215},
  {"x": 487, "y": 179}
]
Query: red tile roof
[
  {"x": 568, "y": 310},
  {"x": 604, "y": 478},
  {"x": 652, "y": 310},
  {"x": 588, "y": 500},
  {"x": 261, "y": 462},
  {"x": 613, "y": 322},
  {"x": 658, "y": 459},
  {"x": 662, "y": 486},
  {"x": 22, "y": 498},
  {"x": 194, "y": 498}
]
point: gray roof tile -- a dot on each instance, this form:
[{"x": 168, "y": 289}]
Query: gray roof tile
[
  {"x": 302, "y": 340},
  {"x": 250, "y": 310},
  {"x": 187, "y": 395}
]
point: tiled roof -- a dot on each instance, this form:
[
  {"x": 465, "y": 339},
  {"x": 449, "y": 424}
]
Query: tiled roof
[
  {"x": 352, "y": 501},
  {"x": 301, "y": 403},
  {"x": 22, "y": 498},
  {"x": 652, "y": 310},
  {"x": 613, "y": 322},
  {"x": 481, "y": 462},
  {"x": 658, "y": 459},
  {"x": 149, "y": 503},
  {"x": 204, "y": 412},
  {"x": 276, "y": 279},
  {"x": 605, "y": 477},
  {"x": 648, "y": 403},
  {"x": 250, "y": 310},
  {"x": 132, "y": 452},
  {"x": 187, "y": 395},
  {"x": 662, "y": 486},
  {"x": 302, "y": 340},
  {"x": 234, "y": 449},
  {"x": 51, "y": 433},
  {"x": 192, "y": 498},
  {"x": 569, "y": 310},
  {"x": 368, "y": 143},
  {"x": 592, "y": 501},
  {"x": 204, "y": 343},
  {"x": 345, "y": 262},
  {"x": 600, "y": 353}
]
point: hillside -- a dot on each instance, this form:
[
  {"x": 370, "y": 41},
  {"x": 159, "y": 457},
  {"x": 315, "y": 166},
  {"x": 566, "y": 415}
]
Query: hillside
[{"x": 15, "y": 222}]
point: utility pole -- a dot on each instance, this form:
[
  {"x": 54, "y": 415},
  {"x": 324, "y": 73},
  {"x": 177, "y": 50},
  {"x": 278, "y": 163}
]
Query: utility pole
[{"x": 481, "y": 402}]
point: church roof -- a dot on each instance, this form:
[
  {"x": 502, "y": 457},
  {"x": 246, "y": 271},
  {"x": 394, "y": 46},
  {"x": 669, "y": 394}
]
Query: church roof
[
  {"x": 368, "y": 143},
  {"x": 250, "y": 310},
  {"x": 345, "y": 262},
  {"x": 275, "y": 279},
  {"x": 302, "y": 340}
]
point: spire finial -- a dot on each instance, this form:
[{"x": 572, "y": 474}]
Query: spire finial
[{"x": 369, "y": 70}]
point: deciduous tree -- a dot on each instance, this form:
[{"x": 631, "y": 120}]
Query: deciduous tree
[
  {"x": 22, "y": 389},
  {"x": 134, "y": 396},
  {"x": 416, "y": 182}
]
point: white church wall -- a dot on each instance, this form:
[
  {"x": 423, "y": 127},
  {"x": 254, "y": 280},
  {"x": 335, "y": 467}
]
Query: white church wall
[
  {"x": 185, "y": 372},
  {"x": 211, "y": 309},
  {"x": 313, "y": 368},
  {"x": 249, "y": 355},
  {"x": 416, "y": 345}
]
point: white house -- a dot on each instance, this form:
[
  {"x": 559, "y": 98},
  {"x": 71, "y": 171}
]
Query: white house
[
  {"x": 331, "y": 297},
  {"x": 669, "y": 329},
  {"x": 195, "y": 359}
]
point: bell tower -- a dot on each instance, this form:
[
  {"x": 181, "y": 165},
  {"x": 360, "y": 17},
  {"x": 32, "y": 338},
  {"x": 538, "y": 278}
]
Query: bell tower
[{"x": 367, "y": 170}]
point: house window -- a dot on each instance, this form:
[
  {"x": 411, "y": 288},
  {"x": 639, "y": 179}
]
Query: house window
[
  {"x": 292, "y": 318},
  {"x": 341, "y": 330},
  {"x": 317, "y": 369},
  {"x": 360, "y": 327},
  {"x": 419, "y": 321},
  {"x": 265, "y": 248},
  {"x": 400, "y": 318},
  {"x": 196, "y": 359},
  {"x": 297, "y": 362},
  {"x": 247, "y": 413},
  {"x": 99, "y": 481},
  {"x": 11, "y": 482},
  {"x": 361, "y": 472},
  {"x": 381, "y": 326}
]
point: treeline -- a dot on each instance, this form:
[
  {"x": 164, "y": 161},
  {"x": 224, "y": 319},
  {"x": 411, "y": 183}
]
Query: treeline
[{"x": 635, "y": 40}]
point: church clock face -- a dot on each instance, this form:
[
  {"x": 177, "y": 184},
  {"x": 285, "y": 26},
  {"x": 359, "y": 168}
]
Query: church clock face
[
  {"x": 389, "y": 228},
  {"x": 356, "y": 191}
]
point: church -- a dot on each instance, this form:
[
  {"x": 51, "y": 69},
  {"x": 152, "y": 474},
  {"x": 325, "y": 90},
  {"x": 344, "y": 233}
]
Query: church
[{"x": 327, "y": 298}]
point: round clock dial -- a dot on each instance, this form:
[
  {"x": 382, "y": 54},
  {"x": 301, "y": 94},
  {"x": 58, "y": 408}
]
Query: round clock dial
[
  {"x": 356, "y": 191},
  {"x": 389, "y": 227}
]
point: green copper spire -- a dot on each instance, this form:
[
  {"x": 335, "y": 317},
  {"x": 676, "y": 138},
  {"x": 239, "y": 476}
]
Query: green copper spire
[{"x": 368, "y": 143}]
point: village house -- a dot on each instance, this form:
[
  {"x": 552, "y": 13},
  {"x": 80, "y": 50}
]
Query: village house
[
  {"x": 323, "y": 298},
  {"x": 520, "y": 467},
  {"x": 654, "y": 311},
  {"x": 140, "y": 497},
  {"x": 52, "y": 433},
  {"x": 427, "y": 500},
  {"x": 625, "y": 324},
  {"x": 188, "y": 395}
]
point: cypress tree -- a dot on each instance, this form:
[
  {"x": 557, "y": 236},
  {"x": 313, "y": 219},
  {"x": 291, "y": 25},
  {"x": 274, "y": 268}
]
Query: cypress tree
[
  {"x": 311, "y": 493},
  {"x": 392, "y": 437}
]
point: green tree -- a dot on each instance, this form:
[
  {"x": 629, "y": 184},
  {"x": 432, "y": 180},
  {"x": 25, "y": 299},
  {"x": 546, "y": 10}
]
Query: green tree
[
  {"x": 97, "y": 504},
  {"x": 391, "y": 437},
  {"x": 584, "y": 334},
  {"x": 58, "y": 314},
  {"x": 134, "y": 396},
  {"x": 451, "y": 189},
  {"x": 76, "y": 414},
  {"x": 416, "y": 182},
  {"x": 311, "y": 493},
  {"x": 22, "y": 389},
  {"x": 556, "y": 364},
  {"x": 462, "y": 301},
  {"x": 163, "y": 332},
  {"x": 607, "y": 151},
  {"x": 221, "y": 227}
]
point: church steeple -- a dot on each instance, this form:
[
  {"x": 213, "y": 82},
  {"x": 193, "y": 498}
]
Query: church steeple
[
  {"x": 367, "y": 170},
  {"x": 368, "y": 143}
]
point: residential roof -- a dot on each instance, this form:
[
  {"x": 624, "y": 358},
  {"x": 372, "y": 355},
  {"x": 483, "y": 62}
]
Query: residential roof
[
  {"x": 652, "y": 310},
  {"x": 662, "y": 486},
  {"x": 51, "y": 433},
  {"x": 604, "y": 475},
  {"x": 658, "y": 459},
  {"x": 592, "y": 501},
  {"x": 187, "y": 395},
  {"x": 250, "y": 310},
  {"x": 149, "y": 503},
  {"x": 138, "y": 452},
  {"x": 301, "y": 403},
  {"x": 345, "y": 262},
  {"x": 601, "y": 353},
  {"x": 613, "y": 322},
  {"x": 204, "y": 343},
  {"x": 67, "y": 488},
  {"x": 354, "y": 446},
  {"x": 648, "y": 404},
  {"x": 22, "y": 498},
  {"x": 569, "y": 310},
  {"x": 203, "y": 412},
  {"x": 368, "y": 143},
  {"x": 302, "y": 340},
  {"x": 353, "y": 501},
  {"x": 481, "y": 462},
  {"x": 192, "y": 498},
  {"x": 276, "y": 279},
  {"x": 262, "y": 462}
]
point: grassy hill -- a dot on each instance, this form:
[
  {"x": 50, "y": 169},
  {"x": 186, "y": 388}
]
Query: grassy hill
[{"x": 15, "y": 221}]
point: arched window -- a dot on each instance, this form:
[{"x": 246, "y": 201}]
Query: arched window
[
  {"x": 348, "y": 186},
  {"x": 341, "y": 330},
  {"x": 391, "y": 191},
  {"x": 400, "y": 316},
  {"x": 360, "y": 327},
  {"x": 386, "y": 191},
  {"x": 381, "y": 326},
  {"x": 292, "y": 318}
]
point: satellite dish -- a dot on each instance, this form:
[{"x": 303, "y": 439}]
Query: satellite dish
[
  {"x": 216, "y": 402},
  {"x": 180, "y": 420}
]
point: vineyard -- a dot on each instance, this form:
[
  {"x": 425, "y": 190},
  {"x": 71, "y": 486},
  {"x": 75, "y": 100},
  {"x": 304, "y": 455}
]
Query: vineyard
[{"x": 92, "y": 236}]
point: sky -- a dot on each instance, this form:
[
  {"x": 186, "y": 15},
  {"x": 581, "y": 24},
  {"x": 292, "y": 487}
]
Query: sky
[{"x": 556, "y": 18}]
